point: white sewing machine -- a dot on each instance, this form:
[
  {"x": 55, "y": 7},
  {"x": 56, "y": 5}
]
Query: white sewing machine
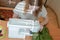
[{"x": 19, "y": 28}]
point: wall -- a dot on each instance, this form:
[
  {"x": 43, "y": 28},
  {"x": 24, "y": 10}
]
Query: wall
[
  {"x": 8, "y": 3},
  {"x": 55, "y": 5}
]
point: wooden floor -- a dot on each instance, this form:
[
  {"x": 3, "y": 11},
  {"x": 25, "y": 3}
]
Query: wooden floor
[{"x": 52, "y": 26}]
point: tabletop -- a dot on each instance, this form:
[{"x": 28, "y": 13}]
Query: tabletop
[{"x": 5, "y": 28}]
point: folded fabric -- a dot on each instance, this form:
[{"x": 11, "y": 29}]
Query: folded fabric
[{"x": 44, "y": 35}]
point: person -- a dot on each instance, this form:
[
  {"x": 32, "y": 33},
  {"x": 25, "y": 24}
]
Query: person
[
  {"x": 23, "y": 11},
  {"x": 26, "y": 5}
]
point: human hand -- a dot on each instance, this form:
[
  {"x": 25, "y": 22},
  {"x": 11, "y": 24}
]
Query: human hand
[{"x": 41, "y": 28}]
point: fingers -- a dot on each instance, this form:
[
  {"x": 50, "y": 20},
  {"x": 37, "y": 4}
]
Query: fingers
[{"x": 41, "y": 28}]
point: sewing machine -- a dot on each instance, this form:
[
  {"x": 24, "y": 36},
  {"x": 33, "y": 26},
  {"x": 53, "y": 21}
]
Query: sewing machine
[{"x": 19, "y": 28}]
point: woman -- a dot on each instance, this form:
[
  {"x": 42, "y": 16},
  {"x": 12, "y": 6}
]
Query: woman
[{"x": 24, "y": 11}]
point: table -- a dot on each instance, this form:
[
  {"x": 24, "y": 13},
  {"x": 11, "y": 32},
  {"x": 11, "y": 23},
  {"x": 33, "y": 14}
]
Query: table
[{"x": 4, "y": 26}]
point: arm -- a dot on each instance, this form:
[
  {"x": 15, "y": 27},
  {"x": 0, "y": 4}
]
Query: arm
[
  {"x": 42, "y": 21},
  {"x": 44, "y": 16},
  {"x": 18, "y": 10}
]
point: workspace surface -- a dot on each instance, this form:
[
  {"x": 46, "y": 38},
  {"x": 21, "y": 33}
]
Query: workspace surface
[{"x": 4, "y": 25}]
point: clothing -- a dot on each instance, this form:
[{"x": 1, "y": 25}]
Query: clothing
[
  {"x": 19, "y": 11},
  {"x": 43, "y": 35}
]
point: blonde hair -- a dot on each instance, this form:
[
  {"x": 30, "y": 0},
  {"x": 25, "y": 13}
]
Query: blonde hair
[{"x": 36, "y": 12}]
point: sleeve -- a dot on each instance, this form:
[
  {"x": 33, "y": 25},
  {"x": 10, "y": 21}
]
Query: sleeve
[
  {"x": 43, "y": 13},
  {"x": 19, "y": 8}
]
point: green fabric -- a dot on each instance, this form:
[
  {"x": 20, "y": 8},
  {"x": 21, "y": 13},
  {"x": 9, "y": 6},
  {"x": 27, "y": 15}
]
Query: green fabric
[{"x": 44, "y": 35}]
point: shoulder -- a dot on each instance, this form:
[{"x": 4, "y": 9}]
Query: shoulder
[
  {"x": 20, "y": 4},
  {"x": 23, "y": 2}
]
